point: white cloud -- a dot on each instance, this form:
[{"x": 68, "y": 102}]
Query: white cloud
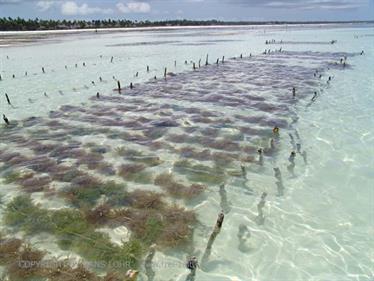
[
  {"x": 71, "y": 8},
  {"x": 134, "y": 7},
  {"x": 44, "y": 5},
  {"x": 9, "y": 1}
]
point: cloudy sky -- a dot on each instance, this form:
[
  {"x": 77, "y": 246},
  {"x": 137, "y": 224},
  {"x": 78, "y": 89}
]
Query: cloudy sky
[{"x": 191, "y": 9}]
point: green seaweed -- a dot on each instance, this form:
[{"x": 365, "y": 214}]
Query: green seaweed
[
  {"x": 73, "y": 232},
  {"x": 153, "y": 229},
  {"x": 12, "y": 177},
  {"x": 135, "y": 173},
  {"x": 168, "y": 226},
  {"x": 200, "y": 173},
  {"x": 16, "y": 176},
  {"x": 69, "y": 225},
  {"x": 22, "y": 214},
  {"x": 86, "y": 194},
  {"x": 138, "y": 156},
  {"x": 176, "y": 189}
]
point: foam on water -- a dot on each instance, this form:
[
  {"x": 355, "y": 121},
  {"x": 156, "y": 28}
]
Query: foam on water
[{"x": 205, "y": 126}]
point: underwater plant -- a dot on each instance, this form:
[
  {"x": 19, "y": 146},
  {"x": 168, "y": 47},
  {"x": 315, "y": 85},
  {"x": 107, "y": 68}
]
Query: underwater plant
[
  {"x": 143, "y": 199},
  {"x": 178, "y": 227},
  {"x": 120, "y": 150},
  {"x": 106, "y": 168},
  {"x": 8, "y": 249},
  {"x": 15, "y": 176},
  {"x": 190, "y": 152},
  {"x": 7, "y": 156},
  {"x": 17, "y": 160},
  {"x": 62, "y": 271},
  {"x": 154, "y": 133},
  {"x": 75, "y": 234},
  {"x": 41, "y": 164},
  {"x": 99, "y": 215},
  {"x": 211, "y": 132},
  {"x": 85, "y": 190},
  {"x": 200, "y": 173},
  {"x": 224, "y": 158},
  {"x": 113, "y": 276},
  {"x": 35, "y": 184},
  {"x": 134, "y": 172},
  {"x": 138, "y": 156},
  {"x": 92, "y": 160},
  {"x": 65, "y": 173},
  {"x": 22, "y": 214},
  {"x": 40, "y": 148},
  {"x": 221, "y": 144},
  {"x": 26, "y": 265},
  {"x": 82, "y": 196},
  {"x": 178, "y": 190}
]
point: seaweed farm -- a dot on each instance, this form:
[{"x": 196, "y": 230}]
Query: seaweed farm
[{"x": 251, "y": 165}]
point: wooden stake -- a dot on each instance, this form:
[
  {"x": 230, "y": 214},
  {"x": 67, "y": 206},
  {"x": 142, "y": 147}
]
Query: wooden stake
[
  {"x": 119, "y": 86},
  {"x": 149, "y": 272},
  {"x": 212, "y": 238},
  {"x": 6, "y": 120},
  {"x": 7, "y": 99}
]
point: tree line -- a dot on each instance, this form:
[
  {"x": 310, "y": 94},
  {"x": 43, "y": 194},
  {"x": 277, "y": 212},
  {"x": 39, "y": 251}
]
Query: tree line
[{"x": 20, "y": 24}]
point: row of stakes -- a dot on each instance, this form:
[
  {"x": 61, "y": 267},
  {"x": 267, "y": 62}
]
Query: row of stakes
[
  {"x": 131, "y": 86},
  {"x": 119, "y": 88}
]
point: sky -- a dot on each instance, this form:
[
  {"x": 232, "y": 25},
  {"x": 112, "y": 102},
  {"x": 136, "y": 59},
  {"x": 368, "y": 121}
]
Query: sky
[{"x": 238, "y": 10}]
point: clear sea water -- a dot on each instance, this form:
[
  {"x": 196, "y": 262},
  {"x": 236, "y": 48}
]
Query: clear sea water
[{"x": 322, "y": 228}]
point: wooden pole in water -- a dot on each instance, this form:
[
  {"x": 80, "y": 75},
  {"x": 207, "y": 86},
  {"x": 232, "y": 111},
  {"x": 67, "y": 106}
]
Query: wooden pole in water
[
  {"x": 7, "y": 99},
  {"x": 147, "y": 68},
  {"x": 223, "y": 59},
  {"x": 225, "y": 205},
  {"x": 260, "y": 206},
  {"x": 192, "y": 264},
  {"x": 165, "y": 72},
  {"x": 194, "y": 66},
  {"x": 6, "y": 120},
  {"x": 149, "y": 272},
  {"x": 119, "y": 86},
  {"x": 212, "y": 238},
  {"x": 207, "y": 60}
]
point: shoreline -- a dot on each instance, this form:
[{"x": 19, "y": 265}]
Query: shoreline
[{"x": 163, "y": 28}]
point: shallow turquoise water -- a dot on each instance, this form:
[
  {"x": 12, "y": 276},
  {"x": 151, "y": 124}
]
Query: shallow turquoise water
[{"x": 322, "y": 227}]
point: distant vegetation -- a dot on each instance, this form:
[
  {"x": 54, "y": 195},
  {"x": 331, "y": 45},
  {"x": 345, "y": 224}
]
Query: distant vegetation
[{"x": 19, "y": 24}]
